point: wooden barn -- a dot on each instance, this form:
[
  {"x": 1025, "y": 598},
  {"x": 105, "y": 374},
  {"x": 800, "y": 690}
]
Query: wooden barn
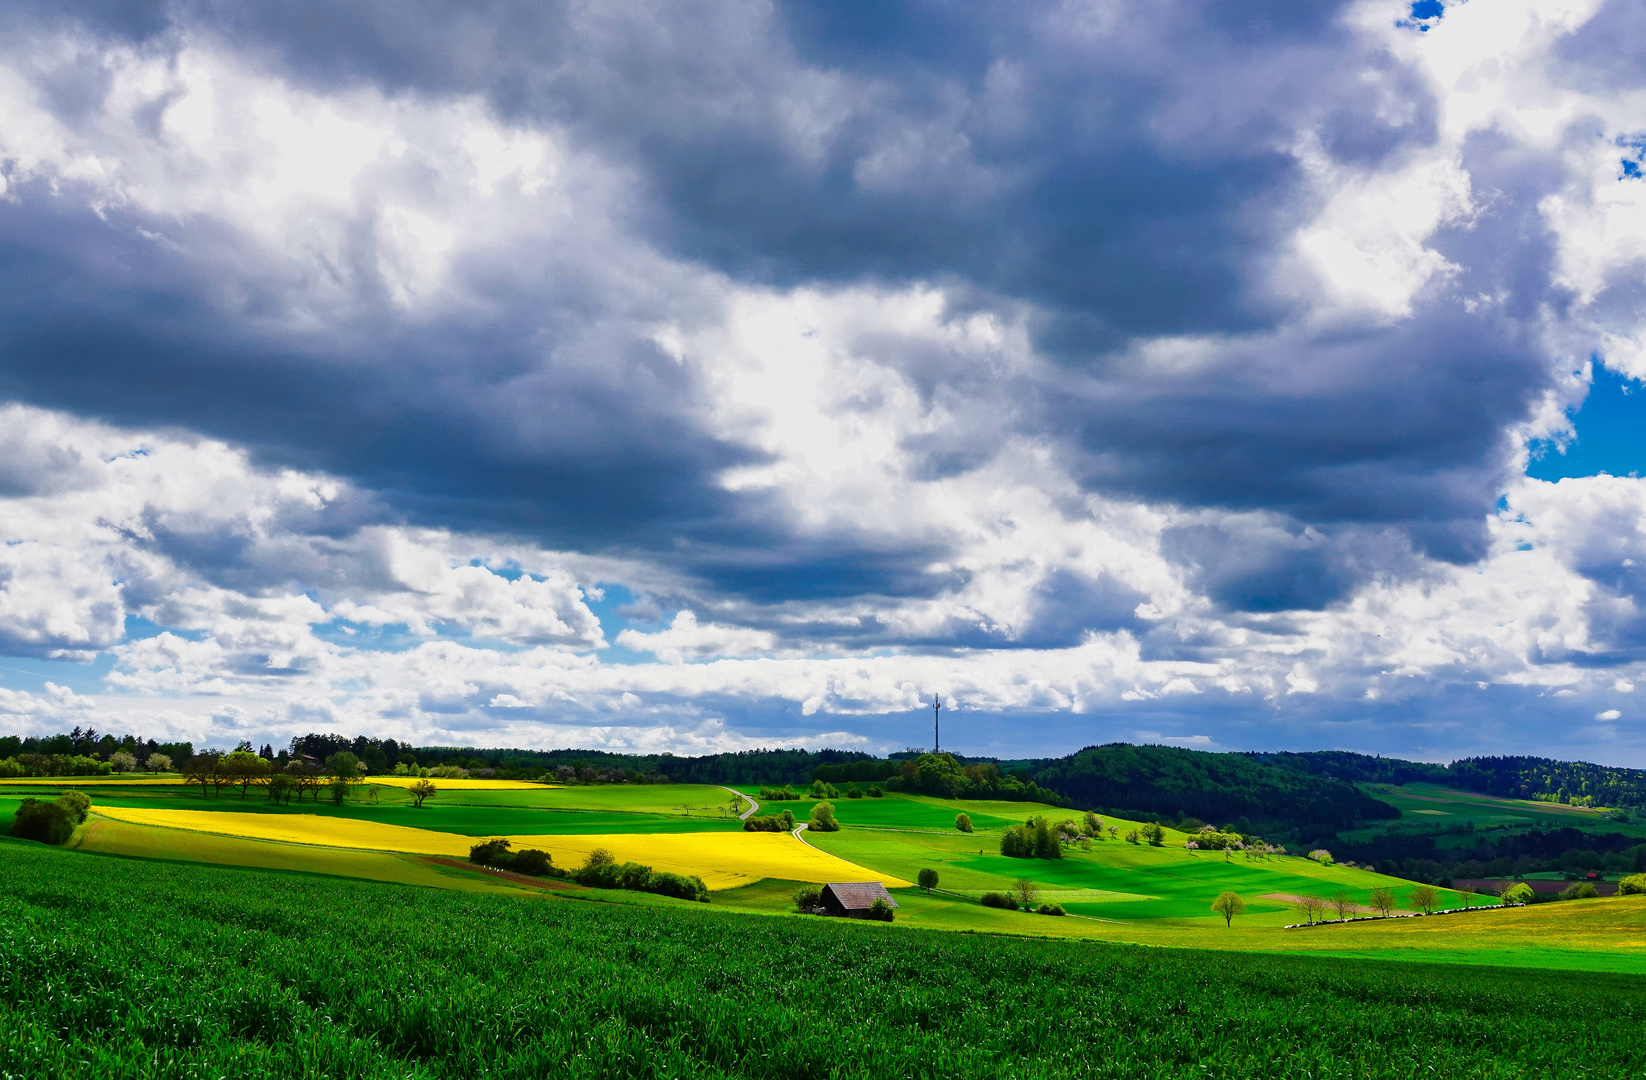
[{"x": 853, "y": 898}]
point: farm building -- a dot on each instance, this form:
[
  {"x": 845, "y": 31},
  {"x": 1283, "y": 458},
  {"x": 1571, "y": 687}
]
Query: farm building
[{"x": 853, "y": 898}]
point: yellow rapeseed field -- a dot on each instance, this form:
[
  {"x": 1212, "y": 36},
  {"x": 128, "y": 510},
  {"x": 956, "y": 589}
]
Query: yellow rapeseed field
[
  {"x": 100, "y": 781},
  {"x": 724, "y": 860},
  {"x": 464, "y": 784}
]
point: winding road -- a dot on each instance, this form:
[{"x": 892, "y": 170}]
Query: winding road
[{"x": 753, "y": 806}]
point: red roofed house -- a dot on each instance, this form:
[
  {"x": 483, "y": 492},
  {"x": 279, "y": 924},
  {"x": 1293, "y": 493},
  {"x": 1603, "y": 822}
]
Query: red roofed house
[{"x": 853, "y": 898}]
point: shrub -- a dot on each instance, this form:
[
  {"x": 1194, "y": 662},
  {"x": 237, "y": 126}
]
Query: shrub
[
  {"x": 1583, "y": 890},
  {"x": 1633, "y": 885},
  {"x": 823, "y": 819},
  {"x": 47, "y": 822},
  {"x": 874, "y": 792},
  {"x": 494, "y": 853},
  {"x": 534, "y": 863},
  {"x": 853, "y": 791},
  {"x": 77, "y": 803},
  {"x": 783, "y": 822},
  {"x": 927, "y": 878},
  {"x": 678, "y": 886},
  {"x": 963, "y": 822},
  {"x": 1321, "y": 856},
  {"x": 1050, "y": 909},
  {"x": 999, "y": 900},
  {"x": 1518, "y": 893},
  {"x": 881, "y": 911},
  {"x": 808, "y": 900}
]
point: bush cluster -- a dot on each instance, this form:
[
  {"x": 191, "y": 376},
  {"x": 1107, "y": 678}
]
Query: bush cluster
[
  {"x": 529, "y": 861},
  {"x": 603, "y": 871},
  {"x": 783, "y": 822},
  {"x": 50, "y": 822},
  {"x": 1034, "y": 839},
  {"x": 1000, "y": 900},
  {"x": 1633, "y": 885}
]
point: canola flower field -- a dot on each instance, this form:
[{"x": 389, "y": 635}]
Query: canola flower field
[{"x": 724, "y": 860}]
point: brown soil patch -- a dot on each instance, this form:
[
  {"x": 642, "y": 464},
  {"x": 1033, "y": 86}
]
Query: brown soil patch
[
  {"x": 548, "y": 884},
  {"x": 1494, "y": 887}
]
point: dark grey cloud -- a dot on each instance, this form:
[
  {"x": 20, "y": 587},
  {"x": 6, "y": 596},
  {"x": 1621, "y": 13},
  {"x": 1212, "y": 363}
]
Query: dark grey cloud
[{"x": 1119, "y": 181}]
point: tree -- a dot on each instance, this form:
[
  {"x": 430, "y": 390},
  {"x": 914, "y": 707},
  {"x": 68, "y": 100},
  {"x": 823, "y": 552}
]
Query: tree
[
  {"x": 492, "y": 853},
  {"x": 1580, "y": 890},
  {"x": 927, "y": 878},
  {"x": 245, "y": 768},
  {"x": 1154, "y": 834},
  {"x": 157, "y": 762},
  {"x": 1131, "y": 837},
  {"x": 808, "y": 900},
  {"x": 1310, "y": 907},
  {"x": 1025, "y": 890},
  {"x": 1633, "y": 885},
  {"x": 1518, "y": 893},
  {"x": 1047, "y": 844},
  {"x": 1342, "y": 903},
  {"x": 880, "y": 911},
  {"x": 77, "y": 803},
  {"x": 122, "y": 762},
  {"x": 343, "y": 765},
  {"x": 1466, "y": 893},
  {"x": 1424, "y": 898},
  {"x": 823, "y": 819},
  {"x": 963, "y": 822},
  {"x": 421, "y": 790},
  {"x": 1092, "y": 825},
  {"x": 1383, "y": 899},
  {"x": 1228, "y": 905},
  {"x": 281, "y": 788}
]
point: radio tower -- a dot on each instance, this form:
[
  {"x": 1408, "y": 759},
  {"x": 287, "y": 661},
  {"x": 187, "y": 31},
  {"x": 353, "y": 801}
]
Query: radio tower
[{"x": 937, "y": 741}]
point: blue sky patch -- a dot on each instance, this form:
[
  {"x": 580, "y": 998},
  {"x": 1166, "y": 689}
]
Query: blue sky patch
[{"x": 1611, "y": 433}]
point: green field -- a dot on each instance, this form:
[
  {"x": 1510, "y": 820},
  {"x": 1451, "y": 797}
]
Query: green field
[
  {"x": 1431, "y": 806},
  {"x": 134, "y": 968}
]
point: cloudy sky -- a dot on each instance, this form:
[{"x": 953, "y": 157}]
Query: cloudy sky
[{"x": 700, "y": 376}]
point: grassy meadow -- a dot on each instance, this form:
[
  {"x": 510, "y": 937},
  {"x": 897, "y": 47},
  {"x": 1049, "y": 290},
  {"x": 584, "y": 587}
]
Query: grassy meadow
[{"x": 114, "y": 968}]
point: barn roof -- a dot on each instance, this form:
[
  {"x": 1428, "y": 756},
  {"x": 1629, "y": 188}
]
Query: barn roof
[{"x": 858, "y": 895}]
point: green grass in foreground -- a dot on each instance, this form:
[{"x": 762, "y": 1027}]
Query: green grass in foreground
[{"x": 121, "y": 968}]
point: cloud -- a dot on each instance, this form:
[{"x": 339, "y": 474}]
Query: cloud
[{"x": 1073, "y": 364}]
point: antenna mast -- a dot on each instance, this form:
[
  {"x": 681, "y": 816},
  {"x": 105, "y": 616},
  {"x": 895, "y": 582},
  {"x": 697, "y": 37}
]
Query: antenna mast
[{"x": 937, "y": 741}]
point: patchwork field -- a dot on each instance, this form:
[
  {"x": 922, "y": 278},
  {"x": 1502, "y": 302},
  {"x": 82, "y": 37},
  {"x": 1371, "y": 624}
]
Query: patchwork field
[
  {"x": 1430, "y": 806},
  {"x": 1110, "y": 889},
  {"x": 722, "y": 859}
]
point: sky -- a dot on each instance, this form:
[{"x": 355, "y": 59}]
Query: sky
[{"x": 702, "y": 376}]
